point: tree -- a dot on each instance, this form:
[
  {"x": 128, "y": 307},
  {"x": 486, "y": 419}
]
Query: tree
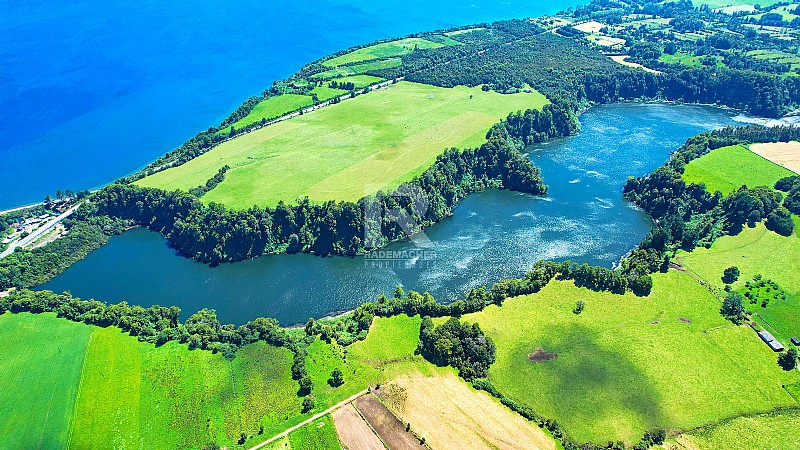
[
  {"x": 308, "y": 404},
  {"x": 733, "y": 308},
  {"x": 337, "y": 378},
  {"x": 788, "y": 359},
  {"x": 670, "y": 48},
  {"x": 730, "y": 275},
  {"x": 305, "y": 386},
  {"x": 579, "y": 307},
  {"x": 780, "y": 221}
]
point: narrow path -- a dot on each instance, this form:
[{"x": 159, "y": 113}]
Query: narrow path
[
  {"x": 309, "y": 420},
  {"x": 39, "y": 232}
]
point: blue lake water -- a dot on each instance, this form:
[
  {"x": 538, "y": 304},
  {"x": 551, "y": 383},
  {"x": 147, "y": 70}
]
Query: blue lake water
[
  {"x": 492, "y": 235},
  {"x": 92, "y": 90}
]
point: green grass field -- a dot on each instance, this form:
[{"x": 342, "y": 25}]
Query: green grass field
[
  {"x": 681, "y": 58},
  {"x": 356, "y": 69},
  {"x": 274, "y": 107},
  {"x": 348, "y": 150},
  {"x": 318, "y": 435},
  {"x": 728, "y": 168},
  {"x": 627, "y": 364},
  {"x": 89, "y": 387},
  {"x": 40, "y": 371},
  {"x": 764, "y": 431},
  {"x": 756, "y": 251},
  {"x": 399, "y": 47}
]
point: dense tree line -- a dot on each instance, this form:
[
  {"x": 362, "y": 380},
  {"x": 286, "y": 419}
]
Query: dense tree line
[
  {"x": 212, "y": 182},
  {"x": 460, "y": 345},
  {"x": 86, "y": 232}
]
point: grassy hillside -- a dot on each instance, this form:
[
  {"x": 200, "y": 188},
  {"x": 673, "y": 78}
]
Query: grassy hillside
[
  {"x": 347, "y": 150},
  {"x": 387, "y": 49},
  {"x": 627, "y": 364},
  {"x": 727, "y": 169},
  {"x": 756, "y": 251},
  {"x": 40, "y": 370},
  {"x": 764, "y": 431}
]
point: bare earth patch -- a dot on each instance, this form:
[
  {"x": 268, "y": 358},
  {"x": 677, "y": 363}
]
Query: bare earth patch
[
  {"x": 541, "y": 355},
  {"x": 623, "y": 60},
  {"x": 684, "y": 320},
  {"x": 388, "y": 427},
  {"x": 354, "y": 433},
  {"x": 786, "y": 154},
  {"x": 449, "y": 414}
]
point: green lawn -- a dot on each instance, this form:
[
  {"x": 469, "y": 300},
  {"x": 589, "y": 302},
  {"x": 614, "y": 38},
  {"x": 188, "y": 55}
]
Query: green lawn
[
  {"x": 765, "y": 431},
  {"x": 360, "y": 81},
  {"x": 387, "y": 49},
  {"x": 40, "y": 370},
  {"x": 318, "y": 435},
  {"x": 728, "y": 168},
  {"x": 756, "y": 251},
  {"x": 347, "y": 150},
  {"x": 627, "y": 364}
]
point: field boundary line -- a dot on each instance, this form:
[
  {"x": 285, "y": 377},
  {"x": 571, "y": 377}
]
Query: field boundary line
[
  {"x": 78, "y": 393},
  {"x": 310, "y": 419}
]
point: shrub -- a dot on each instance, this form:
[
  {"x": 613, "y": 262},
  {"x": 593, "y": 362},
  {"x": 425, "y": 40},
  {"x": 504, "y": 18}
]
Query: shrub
[{"x": 730, "y": 275}]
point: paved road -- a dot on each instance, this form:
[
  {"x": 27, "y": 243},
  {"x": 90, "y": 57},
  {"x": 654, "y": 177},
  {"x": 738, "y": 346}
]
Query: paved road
[
  {"x": 307, "y": 421},
  {"x": 39, "y": 232}
]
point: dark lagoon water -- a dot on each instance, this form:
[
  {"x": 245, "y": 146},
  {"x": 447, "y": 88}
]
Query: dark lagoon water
[
  {"x": 492, "y": 235},
  {"x": 91, "y": 90}
]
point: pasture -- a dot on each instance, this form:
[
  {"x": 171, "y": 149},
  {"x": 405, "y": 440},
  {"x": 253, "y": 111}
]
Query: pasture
[
  {"x": 728, "y": 168},
  {"x": 347, "y": 150},
  {"x": 318, "y": 435},
  {"x": 628, "y": 364},
  {"x": 399, "y": 47},
  {"x": 356, "y": 69},
  {"x": 40, "y": 372},
  {"x": 756, "y": 251},
  {"x": 762, "y": 431},
  {"x": 79, "y": 386}
]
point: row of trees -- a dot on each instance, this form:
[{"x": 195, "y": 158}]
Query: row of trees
[{"x": 212, "y": 182}]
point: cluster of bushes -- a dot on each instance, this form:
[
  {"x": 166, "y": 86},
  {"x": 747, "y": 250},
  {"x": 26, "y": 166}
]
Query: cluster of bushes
[
  {"x": 213, "y": 182},
  {"x": 790, "y": 185},
  {"x": 460, "y": 345}
]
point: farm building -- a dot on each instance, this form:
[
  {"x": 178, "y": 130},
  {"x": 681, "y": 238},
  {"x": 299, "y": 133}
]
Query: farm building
[
  {"x": 795, "y": 341},
  {"x": 771, "y": 341}
]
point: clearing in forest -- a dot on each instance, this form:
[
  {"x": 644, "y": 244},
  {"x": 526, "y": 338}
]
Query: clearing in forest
[
  {"x": 785, "y": 154},
  {"x": 347, "y": 150}
]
